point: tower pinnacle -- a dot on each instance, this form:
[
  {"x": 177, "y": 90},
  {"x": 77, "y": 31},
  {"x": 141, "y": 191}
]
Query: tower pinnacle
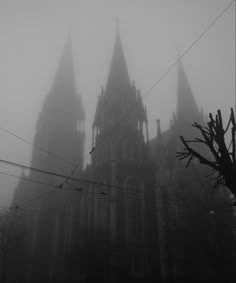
[
  {"x": 118, "y": 77},
  {"x": 187, "y": 109}
]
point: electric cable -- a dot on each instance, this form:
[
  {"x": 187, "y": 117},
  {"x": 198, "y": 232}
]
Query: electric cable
[
  {"x": 160, "y": 79},
  {"x": 37, "y": 146}
]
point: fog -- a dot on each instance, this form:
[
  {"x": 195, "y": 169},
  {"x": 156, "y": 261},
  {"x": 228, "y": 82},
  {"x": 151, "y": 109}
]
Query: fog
[{"x": 153, "y": 34}]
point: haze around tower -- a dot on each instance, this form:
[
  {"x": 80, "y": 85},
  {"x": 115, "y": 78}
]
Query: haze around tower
[{"x": 33, "y": 33}]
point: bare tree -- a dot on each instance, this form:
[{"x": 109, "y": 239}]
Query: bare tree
[{"x": 222, "y": 160}]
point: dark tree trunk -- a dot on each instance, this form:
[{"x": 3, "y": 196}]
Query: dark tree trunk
[{"x": 230, "y": 180}]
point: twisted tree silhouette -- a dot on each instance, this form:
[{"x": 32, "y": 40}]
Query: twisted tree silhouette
[{"x": 222, "y": 160}]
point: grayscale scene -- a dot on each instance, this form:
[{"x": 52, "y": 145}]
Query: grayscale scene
[{"x": 117, "y": 141}]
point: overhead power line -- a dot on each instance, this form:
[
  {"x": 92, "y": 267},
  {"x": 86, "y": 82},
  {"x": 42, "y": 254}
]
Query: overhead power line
[
  {"x": 128, "y": 113},
  {"x": 75, "y": 189},
  {"x": 31, "y": 180},
  {"x": 59, "y": 175},
  {"x": 37, "y": 146},
  {"x": 158, "y": 81},
  {"x": 35, "y": 169},
  {"x": 56, "y": 187},
  {"x": 190, "y": 47}
]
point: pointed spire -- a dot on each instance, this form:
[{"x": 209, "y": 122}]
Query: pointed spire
[
  {"x": 187, "y": 110},
  {"x": 118, "y": 77},
  {"x": 63, "y": 97},
  {"x": 65, "y": 69}
]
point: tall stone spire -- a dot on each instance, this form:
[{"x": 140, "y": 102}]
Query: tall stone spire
[
  {"x": 187, "y": 109},
  {"x": 120, "y": 103},
  {"x": 62, "y": 106},
  {"x": 65, "y": 70},
  {"x": 119, "y": 107},
  {"x": 60, "y": 132},
  {"x": 118, "y": 78}
]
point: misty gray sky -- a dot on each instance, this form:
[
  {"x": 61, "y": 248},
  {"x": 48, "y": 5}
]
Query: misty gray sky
[{"x": 32, "y": 34}]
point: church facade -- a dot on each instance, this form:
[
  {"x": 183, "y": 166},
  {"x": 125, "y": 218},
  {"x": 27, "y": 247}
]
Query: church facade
[
  {"x": 115, "y": 221},
  {"x": 122, "y": 216},
  {"x": 107, "y": 229},
  {"x": 45, "y": 209}
]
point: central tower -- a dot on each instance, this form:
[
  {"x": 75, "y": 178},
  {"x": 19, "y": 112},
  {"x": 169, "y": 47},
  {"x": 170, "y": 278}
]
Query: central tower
[
  {"x": 120, "y": 116},
  {"x": 123, "y": 210}
]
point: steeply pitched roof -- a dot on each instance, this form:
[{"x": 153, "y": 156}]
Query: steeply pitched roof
[
  {"x": 120, "y": 98},
  {"x": 62, "y": 101},
  {"x": 187, "y": 114},
  {"x": 187, "y": 109},
  {"x": 118, "y": 77},
  {"x": 65, "y": 70}
]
